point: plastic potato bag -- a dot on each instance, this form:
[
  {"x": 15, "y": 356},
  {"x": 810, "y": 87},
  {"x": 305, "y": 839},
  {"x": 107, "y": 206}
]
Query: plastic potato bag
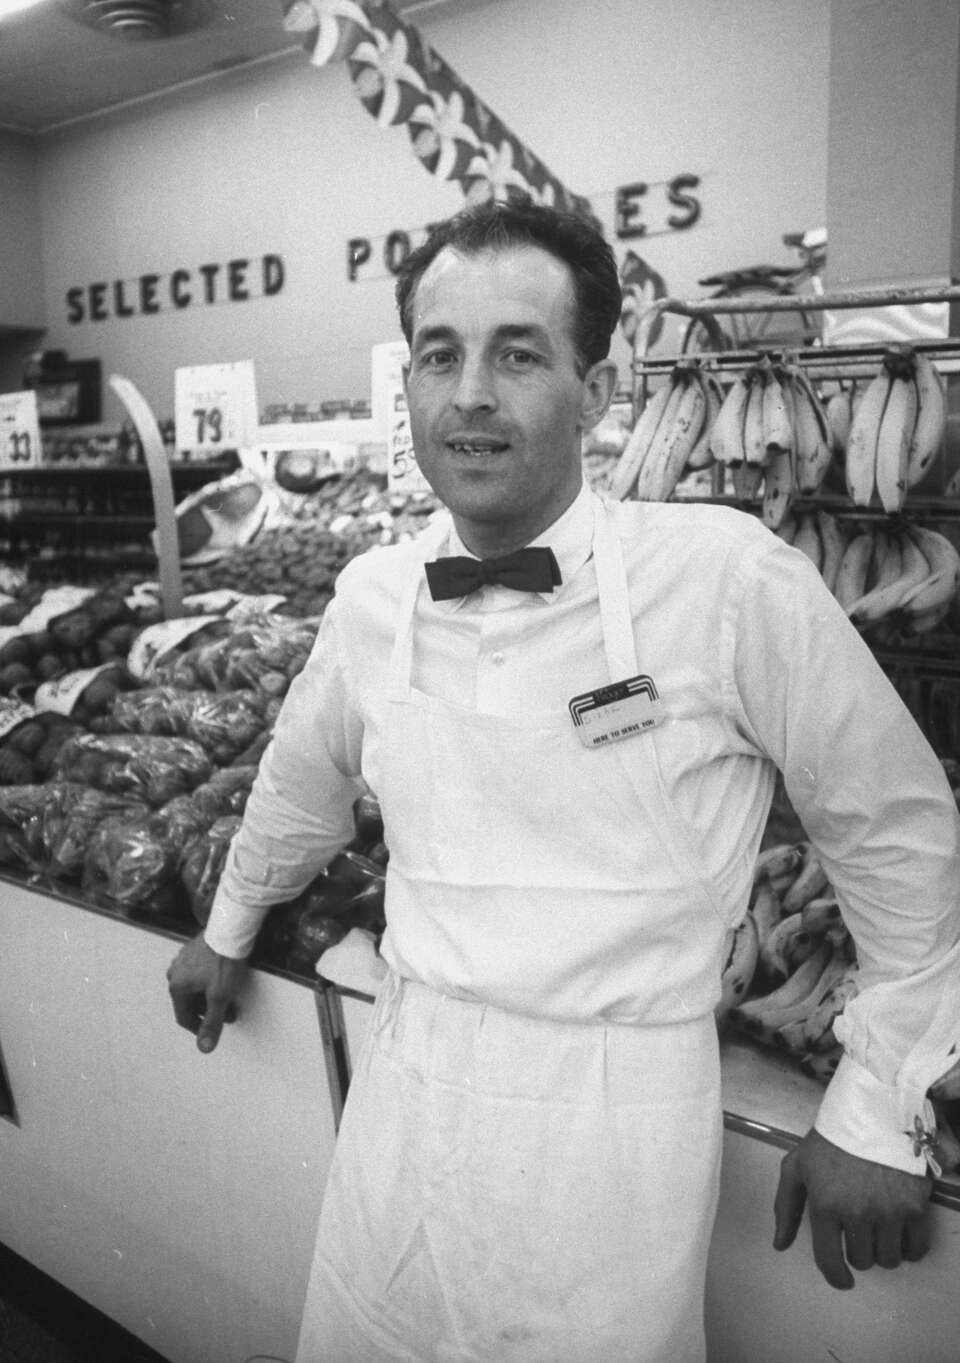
[
  {"x": 131, "y": 867},
  {"x": 202, "y": 865},
  {"x": 152, "y": 767},
  {"x": 21, "y": 823},
  {"x": 71, "y": 819}
]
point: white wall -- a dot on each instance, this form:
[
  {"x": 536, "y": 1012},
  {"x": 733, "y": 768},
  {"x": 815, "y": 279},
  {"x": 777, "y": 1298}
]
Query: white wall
[
  {"x": 21, "y": 297},
  {"x": 283, "y": 158}
]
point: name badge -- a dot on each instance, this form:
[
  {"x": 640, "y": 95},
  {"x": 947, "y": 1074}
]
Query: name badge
[{"x": 615, "y": 712}]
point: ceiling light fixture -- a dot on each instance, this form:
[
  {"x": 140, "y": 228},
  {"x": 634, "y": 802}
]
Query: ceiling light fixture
[
  {"x": 139, "y": 20},
  {"x": 8, "y": 7}
]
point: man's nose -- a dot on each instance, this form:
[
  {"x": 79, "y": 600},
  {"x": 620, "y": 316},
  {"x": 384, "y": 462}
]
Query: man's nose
[{"x": 475, "y": 391}]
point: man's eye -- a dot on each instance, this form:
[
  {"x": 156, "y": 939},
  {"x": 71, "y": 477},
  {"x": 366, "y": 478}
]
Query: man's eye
[
  {"x": 521, "y": 359},
  {"x": 437, "y": 359}
]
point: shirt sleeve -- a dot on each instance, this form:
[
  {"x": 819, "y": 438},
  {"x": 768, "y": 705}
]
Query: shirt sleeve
[
  {"x": 874, "y": 800},
  {"x": 300, "y": 810}
]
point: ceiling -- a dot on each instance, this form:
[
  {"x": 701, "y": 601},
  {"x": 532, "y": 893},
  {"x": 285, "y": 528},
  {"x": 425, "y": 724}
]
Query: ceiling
[{"x": 54, "y": 70}]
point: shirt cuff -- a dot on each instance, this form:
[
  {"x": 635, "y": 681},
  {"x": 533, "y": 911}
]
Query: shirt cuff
[
  {"x": 889, "y": 1125},
  {"x": 233, "y": 932}
]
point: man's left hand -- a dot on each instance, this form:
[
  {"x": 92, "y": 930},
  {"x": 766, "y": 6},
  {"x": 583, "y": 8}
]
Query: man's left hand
[{"x": 861, "y": 1213}]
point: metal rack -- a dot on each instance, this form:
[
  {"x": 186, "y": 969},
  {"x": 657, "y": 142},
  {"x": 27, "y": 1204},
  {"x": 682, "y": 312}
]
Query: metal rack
[{"x": 920, "y": 673}]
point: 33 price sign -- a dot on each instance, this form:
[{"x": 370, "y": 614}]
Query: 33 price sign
[{"x": 20, "y": 445}]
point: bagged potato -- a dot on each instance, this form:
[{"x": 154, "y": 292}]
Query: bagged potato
[
  {"x": 153, "y": 767},
  {"x": 130, "y": 867},
  {"x": 201, "y": 864}
]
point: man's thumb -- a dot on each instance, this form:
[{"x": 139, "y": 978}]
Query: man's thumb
[{"x": 788, "y": 1206}]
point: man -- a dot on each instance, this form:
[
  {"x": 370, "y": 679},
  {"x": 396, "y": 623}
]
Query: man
[{"x": 528, "y": 1162}]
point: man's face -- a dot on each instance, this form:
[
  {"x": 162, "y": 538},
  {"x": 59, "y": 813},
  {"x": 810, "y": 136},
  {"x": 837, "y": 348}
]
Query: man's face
[{"x": 497, "y": 408}]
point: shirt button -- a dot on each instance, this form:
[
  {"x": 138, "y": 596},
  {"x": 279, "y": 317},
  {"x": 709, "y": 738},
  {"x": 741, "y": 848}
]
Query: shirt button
[{"x": 497, "y": 659}]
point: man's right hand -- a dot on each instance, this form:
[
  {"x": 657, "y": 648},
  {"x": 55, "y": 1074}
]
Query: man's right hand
[{"x": 203, "y": 988}]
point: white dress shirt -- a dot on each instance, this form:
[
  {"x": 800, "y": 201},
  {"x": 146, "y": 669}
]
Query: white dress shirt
[{"x": 765, "y": 671}]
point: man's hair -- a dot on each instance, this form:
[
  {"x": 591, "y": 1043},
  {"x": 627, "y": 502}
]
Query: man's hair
[{"x": 572, "y": 239}]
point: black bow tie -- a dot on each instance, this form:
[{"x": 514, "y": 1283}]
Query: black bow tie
[{"x": 526, "y": 570}]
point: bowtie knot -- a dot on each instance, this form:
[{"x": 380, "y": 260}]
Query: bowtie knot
[{"x": 525, "y": 570}]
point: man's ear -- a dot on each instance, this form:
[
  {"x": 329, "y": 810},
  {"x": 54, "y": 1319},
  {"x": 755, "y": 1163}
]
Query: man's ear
[{"x": 599, "y": 386}]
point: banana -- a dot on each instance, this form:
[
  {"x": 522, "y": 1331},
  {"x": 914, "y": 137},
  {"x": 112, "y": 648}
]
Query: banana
[
  {"x": 811, "y": 881},
  {"x": 861, "y": 457},
  {"x": 788, "y": 527},
  {"x": 944, "y": 581},
  {"x": 701, "y": 456},
  {"x": 822, "y": 1065},
  {"x": 645, "y": 428},
  {"x": 743, "y": 946},
  {"x": 762, "y": 1016},
  {"x": 813, "y": 452},
  {"x": 675, "y": 438},
  {"x": 925, "y": 622},
  {"x": 807, "y": 540},
  {"x": 766, "y": 909},
  {"x": 777, "y": 423},
  {"x": 854, "y": 568},
  {"x": 893, "y": 441},
  {"x": 820, "y": 914},
  {"x": 833, "y": 542},
  {"x": 931, "y": 423},
  {"x": 747, "y": 479},
  {"x": 754, "y": 443},
  {"x": 726, "y": 438},
  {"x": 814, "y": 1032},
  {"x": 903, "y": 568},
  {"x": 784, "y": 947},
  {"x": 839, "y": 414},
  {"x": 779, "y": 486},
  {"x": 781, "y": 858}
]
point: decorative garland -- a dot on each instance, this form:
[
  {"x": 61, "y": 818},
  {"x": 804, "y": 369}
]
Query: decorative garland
[{"x": 400, "y": 80}]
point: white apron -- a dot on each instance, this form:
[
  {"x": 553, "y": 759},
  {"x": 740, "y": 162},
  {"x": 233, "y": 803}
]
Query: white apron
[{"x": 524, "y": 1172}]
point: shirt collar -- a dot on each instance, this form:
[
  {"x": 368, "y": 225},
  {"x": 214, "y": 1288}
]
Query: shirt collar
[{"x": 570, "y": 537}]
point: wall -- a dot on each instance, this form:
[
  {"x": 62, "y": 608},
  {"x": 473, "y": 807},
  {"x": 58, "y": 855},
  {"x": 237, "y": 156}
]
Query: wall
[
  {"x": 283, "y": 158},
  {"x": 21, "y": 296}
]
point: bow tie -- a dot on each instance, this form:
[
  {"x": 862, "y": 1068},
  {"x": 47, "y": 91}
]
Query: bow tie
[{"x": 526, "y": 570}]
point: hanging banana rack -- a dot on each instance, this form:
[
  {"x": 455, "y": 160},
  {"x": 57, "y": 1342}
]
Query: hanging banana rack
[{"x": 927, "y": 676}]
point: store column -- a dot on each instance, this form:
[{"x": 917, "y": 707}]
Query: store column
[{"x": 893, "y": 162}]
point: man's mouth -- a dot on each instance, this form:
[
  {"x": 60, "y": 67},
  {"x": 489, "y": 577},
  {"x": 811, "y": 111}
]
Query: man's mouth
[{"x": 476, "y": 446}]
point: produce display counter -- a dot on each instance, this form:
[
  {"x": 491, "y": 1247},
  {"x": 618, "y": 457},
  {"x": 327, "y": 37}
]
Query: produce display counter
[
  {"x": 769, "y": 1307},
  {"x": 177, "y": 1193}
]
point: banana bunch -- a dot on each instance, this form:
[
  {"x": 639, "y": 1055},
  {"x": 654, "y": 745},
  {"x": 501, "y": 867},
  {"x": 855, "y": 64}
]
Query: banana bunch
[
  {"x": 670, "y": 436},
  {"x": 805, "y": 967},
  {"x": 896, "y": 430},
  {"x": 891, "y": 580},
  {"x": 772, "y": 434}
]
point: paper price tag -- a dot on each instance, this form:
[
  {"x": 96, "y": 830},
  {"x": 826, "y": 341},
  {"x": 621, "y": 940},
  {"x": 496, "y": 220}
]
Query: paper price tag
[
  {"x": 20, "y": 445},
  {"x": 215, "y": 407},
  {"x": 391, "y": 421}
]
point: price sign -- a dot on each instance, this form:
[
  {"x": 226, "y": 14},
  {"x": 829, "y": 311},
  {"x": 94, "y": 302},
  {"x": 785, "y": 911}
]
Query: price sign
[
  {"x": 391, "y": 420},
  {"x": 215, "y": 407},
  {"x": 19, "y": 430}
]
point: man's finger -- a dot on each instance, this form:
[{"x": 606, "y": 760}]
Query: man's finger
[
  {"x": 788, "y": 1205},
  {"x": 916, "y": 1237},
  {"x": 859, "y": 1244},
  {"x": 828, "y": 1251},
  {"x": 889, "y": 1244},
  {"x": 187, "y": 1008},
  {"x": 211, "y": 1024}
]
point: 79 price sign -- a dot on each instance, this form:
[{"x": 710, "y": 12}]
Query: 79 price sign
[
  {"x": 20, "y": 445},
  {"x": 215, "y": 407}
]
